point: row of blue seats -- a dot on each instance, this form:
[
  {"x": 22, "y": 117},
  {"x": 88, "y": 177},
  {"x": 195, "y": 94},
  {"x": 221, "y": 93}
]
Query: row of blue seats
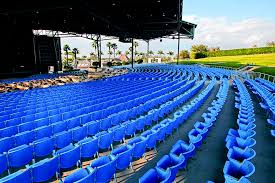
[
  {"x": 168, "y": 166},
  {"x": 240, "y": 142},
  {"x": 81, "y": 120},
  {"x": 70, "y": 148},
  {"x": 269, "y": 85},
  {"x": 121, "y": 157},
  {"x": 267, "y": 101},
  {"x": 97, "y": 104},
  {"x": 65, "y": 139},
  {"x": 8, "y": 131},
  {"x": 86, "y": 91}
]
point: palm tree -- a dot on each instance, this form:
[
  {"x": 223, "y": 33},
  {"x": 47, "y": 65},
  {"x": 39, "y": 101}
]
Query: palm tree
[
  {"x": 67, "y": 48},
  {"x": 109, "y": 45},
  {"x": 170, "y": 53},
  {"x": 150, "y": 52},
  {"x": 94, "y": 45},
  {"x": 160, "y": 52},
  {"x": 75, "y": 51},
  {"x": 118, "y": 52},
  {"x": 114, "y": 46},
  {"x": 136, "y": 45},
  {"x": 110, "y": 52}
]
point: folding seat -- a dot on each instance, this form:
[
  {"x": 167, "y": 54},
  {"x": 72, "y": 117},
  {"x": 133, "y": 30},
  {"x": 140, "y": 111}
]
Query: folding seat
[
  {"x": 28, "y": 126},
  {"x": 20, "y": 156},
  {"x": 40, "y": 115},
  {"x": 28, "y": 118},
  {"x": 83, "y": 175},
  {"x": 105, "y": 139},
  {"x": 130, "y": 128},
  {"x": 171, "y": 163},
  {"x": 140, "y": 123},
  {"x": 160, "y": 129},
  {"x": 6, "y": 144},
  {"x": 105, "y": 123},
  {"x": 64, "y": 109},
  {"x": 55, "y": 118},
  {"x": 239, "y": 154},
  {"x": 272, "y": 133},
  {"x": 53, "y": 112},
  {"x": 68, "y": 156},
  {"x": 6, "y": 117},
  {"x": 182, "y": 148},
  {"x": 42, "y": 109},
  {"x": 79, "y": 133},
  {"x": 271, "y": 122},
  {"x": 93, "y": 127},
  {"x": 202, "y": 131},
  {"x": 8, "y": 131},
  {"x": 13, "y": 122},
  {"x": 63, "y": 139},
  {"x": 195, "y": 138},
  {"x": 155, "y": 176},
  {"x": 209, "y": 117},
  {"x": 43, "y": 147},
  {"x": 86, "y": 118},
  {"x": 115, "y": 119},
  {"x": 44, "y": 131},
  {"x": 105, "y": 168},
  {"x": 235, "y": 171},
  {"x": 44, "y": 170},
  {"x": 118, "y": 133},
  {"x": 241, "y": 133},
  {"x": 89, "y": 147},
  {"x": 73, "y": 122},
  {"x": 151, "y": 139},
  {"x": 41, "y": 122},
  {"x": 123, "y": 156},
  {"x": 59, "y": 127},
  {"x": 22, "y": 176},
  {"x": 245, "y": 127},
  {"x": 24, "y": 138},
  {"x": 3, "y": 163}
]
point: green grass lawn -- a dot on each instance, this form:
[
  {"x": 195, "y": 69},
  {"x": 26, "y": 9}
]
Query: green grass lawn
[{"x": 265, "y": 61}]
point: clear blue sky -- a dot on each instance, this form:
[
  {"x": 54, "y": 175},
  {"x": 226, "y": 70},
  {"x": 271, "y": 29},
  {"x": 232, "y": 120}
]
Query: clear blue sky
[
  {"x": 233, "y": 9},
  {"x": 223, "y": 23}
]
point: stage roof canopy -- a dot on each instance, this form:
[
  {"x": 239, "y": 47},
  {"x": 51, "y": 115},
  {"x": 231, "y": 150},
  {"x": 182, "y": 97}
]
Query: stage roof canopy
[{"x": 140, "y": 19}]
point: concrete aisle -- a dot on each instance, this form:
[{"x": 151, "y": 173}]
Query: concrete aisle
[
  {"x": 165, "y": 147},
  {"x": 210, "y": 158}
]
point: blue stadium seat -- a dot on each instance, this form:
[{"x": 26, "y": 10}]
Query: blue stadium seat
[
  {"x": 22, "y": 176},
  {"x": 24, "y": 138},
  {"x": 73, "y": 122},
  {"x": 105, "y": 168},
  {"x": 6, "y": 144},
  {"x": 44, "y": 131},
  {"x": 118, "y": 133},
  {"x": 26, "y": 126},
  {"x": 41, "y": 122},
  {"x": 151, "y": 138},
  {"x": 93, "y": 127},
  {"x": 79, "y": 133},
  {"x": 181, "y": 147},
  {"x": 139, "y": 147},
  {"x": 171, "y": 163},
  {"x": 235, "y": 171},
  {"x": 43, "y": 147},
  {"x": 156, "y": 176},
  {"x": 3, "y": 163},
  {"x": 20, "y": 156},
  {"x": 8, "y": 131},
  {"x": 63, "y": 139},
  {"x": 68, "y": 156},
  {"x": 105, "y": 123},
  {"x": 89, "y": 147},
  {"x": 195, "y": 138},
  {"x": 59, "y": 126},
  {"x": 44, "y": 170},
  {"x": 83, "y": 175},
  {"x": 123, "y": 156},
  {"x": 105, "y": 140},
  {"x": 239, "y": 154}
]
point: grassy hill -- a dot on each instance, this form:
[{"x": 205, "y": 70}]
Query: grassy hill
[{"x": 265, "y": 61}]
